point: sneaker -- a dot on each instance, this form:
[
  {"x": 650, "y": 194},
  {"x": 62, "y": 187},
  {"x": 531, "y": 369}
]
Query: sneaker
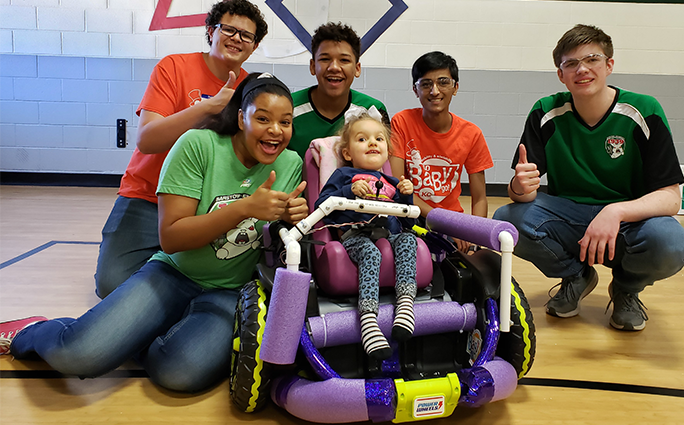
[
  {"x": 10, "y": 329},
  {"x": 573, "y": 289},
  {"x": 628, "y": 310}
]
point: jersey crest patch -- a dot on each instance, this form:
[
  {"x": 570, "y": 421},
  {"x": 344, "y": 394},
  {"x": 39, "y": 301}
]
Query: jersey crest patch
[{"x": 615, "y": 146}]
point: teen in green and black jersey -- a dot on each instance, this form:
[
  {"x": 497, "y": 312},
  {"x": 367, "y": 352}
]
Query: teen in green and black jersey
[{"x": 613, "y": 177}]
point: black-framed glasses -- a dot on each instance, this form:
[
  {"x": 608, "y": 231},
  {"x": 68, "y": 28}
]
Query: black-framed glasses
[
  {"x": 443, "y": 83},
  {"x": 230, "y": 31},
  {"x": 590, "y": 61}
]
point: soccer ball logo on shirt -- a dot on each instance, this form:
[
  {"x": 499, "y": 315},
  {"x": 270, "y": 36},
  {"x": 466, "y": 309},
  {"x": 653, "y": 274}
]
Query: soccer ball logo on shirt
[{"x": 433, "y": 177}]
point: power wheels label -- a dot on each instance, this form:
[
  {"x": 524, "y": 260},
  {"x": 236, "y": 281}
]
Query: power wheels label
[
  {"x": 425, "y": 407},
  {"x": 474, "y": 345}
]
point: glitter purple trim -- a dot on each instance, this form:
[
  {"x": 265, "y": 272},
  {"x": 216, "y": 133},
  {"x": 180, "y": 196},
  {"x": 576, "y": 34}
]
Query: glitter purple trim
[
  {"x": 381, "y": 399},
  {"x": 491, "y": 336},
  {"x": 391, "y": 368},
  {"x": 477, "y": 387},
  {"x": 314, "y": 357}
]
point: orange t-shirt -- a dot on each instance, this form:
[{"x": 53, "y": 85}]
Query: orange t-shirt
[
  {"x": 177, "y": 82},
  {"x": 434, "y": 161}
]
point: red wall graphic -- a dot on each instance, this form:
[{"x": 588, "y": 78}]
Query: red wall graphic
[{"x": 160, "y": 20}]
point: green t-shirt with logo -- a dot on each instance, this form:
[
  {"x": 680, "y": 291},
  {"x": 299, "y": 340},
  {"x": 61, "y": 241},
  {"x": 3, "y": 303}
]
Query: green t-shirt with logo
[
  {"x": 308, "y": 124},
  {"x": 202, "y": 165},
  {"x": 629, "y": 153}
]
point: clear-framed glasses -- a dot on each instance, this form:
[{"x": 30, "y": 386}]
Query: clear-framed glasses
[
  {"x": 590, "y": 61},
  {"x": 443, "y": 83},
  {"x": 230, "y": 31}
]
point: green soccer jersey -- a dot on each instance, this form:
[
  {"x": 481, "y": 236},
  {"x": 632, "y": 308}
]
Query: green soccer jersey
[
  {"x": 202, "y": 165},
  {"x": 309, "y": 124},
  {"x": 629, "y": 153}
]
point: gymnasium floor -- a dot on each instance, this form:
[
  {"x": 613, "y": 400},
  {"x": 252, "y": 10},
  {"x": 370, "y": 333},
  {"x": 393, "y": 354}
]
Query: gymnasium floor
[{"x": 584, "y": 371}]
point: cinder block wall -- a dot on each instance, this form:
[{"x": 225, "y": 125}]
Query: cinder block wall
[{"x": 70, "y": 68}]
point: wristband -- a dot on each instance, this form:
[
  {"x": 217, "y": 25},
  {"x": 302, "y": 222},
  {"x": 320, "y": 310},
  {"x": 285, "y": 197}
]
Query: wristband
[{"x": 510, "y": 184}]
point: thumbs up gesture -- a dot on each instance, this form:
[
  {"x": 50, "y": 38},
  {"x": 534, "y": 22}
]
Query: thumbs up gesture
[
  {"x": 526, "y": 179},
  {"x": 221, "y": 99},
  {"x": 296, "y": 209},
  {"x": 268, "y": 204}
]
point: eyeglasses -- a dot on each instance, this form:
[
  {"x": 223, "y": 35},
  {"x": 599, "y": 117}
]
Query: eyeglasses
[
  {"x": 590, "y": 61},
  {"x": 443, "y": 83},
  {"x": 230, "y": 31}
]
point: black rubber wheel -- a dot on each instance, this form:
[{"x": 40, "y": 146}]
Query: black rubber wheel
[
  {"x": 518, "y": 346},
  {"x": 250, "y": 377}
]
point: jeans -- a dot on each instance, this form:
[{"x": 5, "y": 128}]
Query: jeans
[
  {"x": 550, "y": 228},
  {"x": 179, "y": 332},
  {"x": 129, "y": 238}
]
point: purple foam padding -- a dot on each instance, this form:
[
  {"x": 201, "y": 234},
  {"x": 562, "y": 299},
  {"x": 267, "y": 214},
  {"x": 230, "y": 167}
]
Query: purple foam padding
[
  {"x": 343, "y": 327},
  {"x": 335, "y": 400},
  {"x": 336, "y": 274},
  {"x": 505, "y": 378},
  {"x": 479, "y": 230},
  {"x": 285, "y": 318}
]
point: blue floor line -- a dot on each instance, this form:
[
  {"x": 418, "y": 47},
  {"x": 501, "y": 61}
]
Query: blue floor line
[{"x": 42, "y": 248}]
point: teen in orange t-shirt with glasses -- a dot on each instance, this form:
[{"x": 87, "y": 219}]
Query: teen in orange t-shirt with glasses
[
  {"x": 432, "y": 146},
  {"x": 183, "y": 90}
]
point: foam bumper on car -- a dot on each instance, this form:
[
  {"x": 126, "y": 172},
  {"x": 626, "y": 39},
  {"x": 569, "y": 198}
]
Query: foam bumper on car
[{"x": 336, "y": 400}]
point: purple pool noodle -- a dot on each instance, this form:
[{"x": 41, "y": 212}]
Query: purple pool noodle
[
  {"x": 285, "y": 317},
  {"x": 341, "y": 328},
  {"x": 505, "y": 378},
  {"x": 333, "y": 401},
  {"x": 479, "y": 230}
]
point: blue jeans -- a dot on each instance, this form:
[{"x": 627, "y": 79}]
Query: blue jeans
[
  {"x": 129, "y": 238},
  {"x": 179, "y": 332},
  {"x": 550, "y": 228}
]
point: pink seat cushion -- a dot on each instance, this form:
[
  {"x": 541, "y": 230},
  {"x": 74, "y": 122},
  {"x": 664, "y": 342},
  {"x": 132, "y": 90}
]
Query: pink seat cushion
[{"x": 336, "y": 274}]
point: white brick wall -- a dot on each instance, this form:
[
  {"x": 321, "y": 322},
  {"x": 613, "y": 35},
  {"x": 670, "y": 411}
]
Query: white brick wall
[
  {"x": 37, "y": 42},
  {"x": 486, "y": 34},
  {"x": 6, "y": 41},
  {"x": 110, "y": 41},
  {"x": 109, "y": 21},
  {"x": 18, "y": 17},
  {"x": 85, "y": 44}
]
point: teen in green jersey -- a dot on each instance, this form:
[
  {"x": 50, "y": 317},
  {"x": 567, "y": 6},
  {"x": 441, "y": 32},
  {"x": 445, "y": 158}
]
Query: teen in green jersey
[{"x": 613, "y": 179}]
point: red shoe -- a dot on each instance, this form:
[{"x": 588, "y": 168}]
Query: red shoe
[{"x": 10, "y": 329}]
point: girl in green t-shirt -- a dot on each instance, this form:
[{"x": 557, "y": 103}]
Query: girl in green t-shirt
[{"x": 218, "y": 185}]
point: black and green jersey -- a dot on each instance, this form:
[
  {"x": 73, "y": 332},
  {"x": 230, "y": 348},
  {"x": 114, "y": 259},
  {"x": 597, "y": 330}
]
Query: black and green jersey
[
  {"x": 309, "y": 124},
  {"x": 628, "y": 154}
]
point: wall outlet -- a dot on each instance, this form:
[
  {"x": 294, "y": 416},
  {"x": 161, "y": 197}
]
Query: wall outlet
[{"x": 121, "y": 133}]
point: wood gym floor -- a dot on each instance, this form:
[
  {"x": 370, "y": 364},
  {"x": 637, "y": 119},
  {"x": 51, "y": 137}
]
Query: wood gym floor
[{"x": 584, "y": 371}]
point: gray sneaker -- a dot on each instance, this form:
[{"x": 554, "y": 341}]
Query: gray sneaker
[
  {"x": 628, "y": 310},
  {"x": 566, "y": 302}
]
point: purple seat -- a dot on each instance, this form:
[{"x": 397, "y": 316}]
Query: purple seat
[{"x": 334, "y": 272}]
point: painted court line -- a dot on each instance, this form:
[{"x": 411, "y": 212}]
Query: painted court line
[{"x": 42, "y": 248}]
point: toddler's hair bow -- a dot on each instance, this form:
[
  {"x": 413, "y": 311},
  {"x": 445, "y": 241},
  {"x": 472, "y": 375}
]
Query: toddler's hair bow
[{"x": 356, "y": 112}]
